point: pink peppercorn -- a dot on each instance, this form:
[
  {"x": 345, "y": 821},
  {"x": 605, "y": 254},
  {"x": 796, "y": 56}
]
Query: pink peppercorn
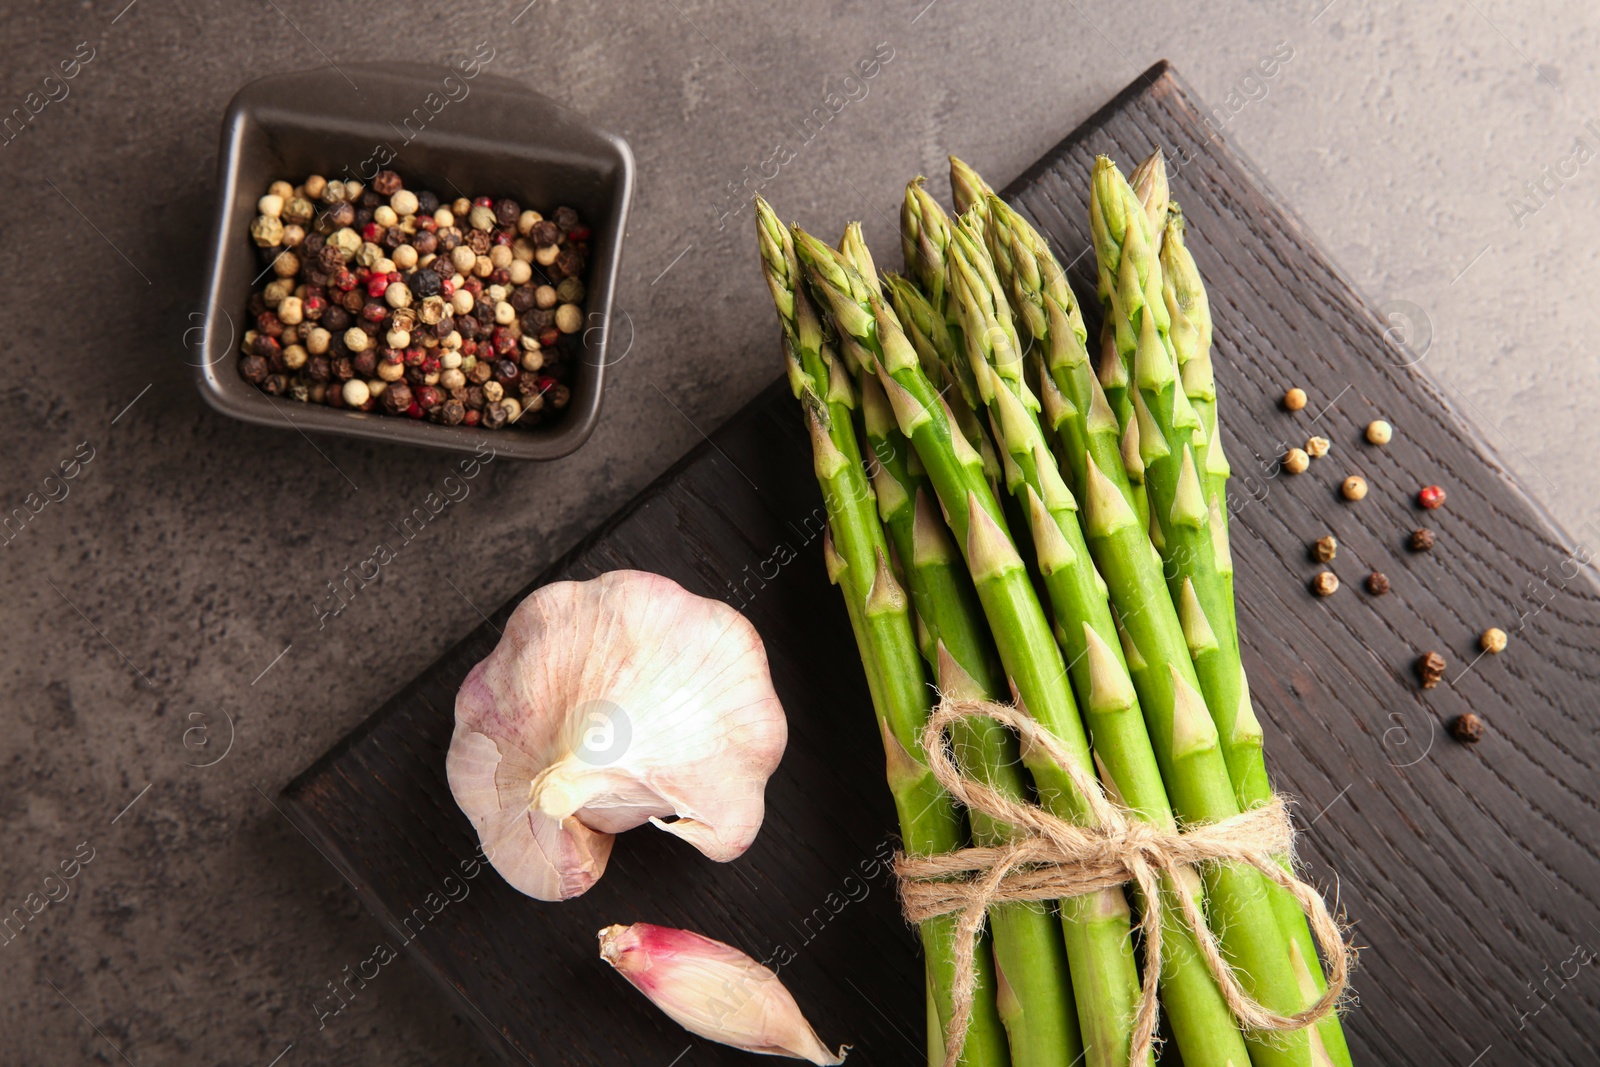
[
  {"x": 484, "y": 201},
  {"x": 1430, "y": 497},
  {"x": 414, "y": 411},
  {"x": 372, "y": 232},
  {"x": 377, "y": 284}
]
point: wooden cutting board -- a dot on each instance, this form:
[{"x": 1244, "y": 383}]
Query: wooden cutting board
[{"x": 1469, "y": 873}]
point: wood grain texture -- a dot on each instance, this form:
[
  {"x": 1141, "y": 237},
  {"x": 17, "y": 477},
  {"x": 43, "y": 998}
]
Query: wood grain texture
[{"x": 1466, "y": 871}]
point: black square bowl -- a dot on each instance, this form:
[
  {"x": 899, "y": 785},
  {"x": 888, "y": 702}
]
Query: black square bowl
[{"x": 453, "y": 130}]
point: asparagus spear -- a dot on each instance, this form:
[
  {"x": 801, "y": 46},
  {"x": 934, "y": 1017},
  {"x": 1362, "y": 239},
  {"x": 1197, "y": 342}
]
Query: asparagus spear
[
  {"x": 1035, "y": 995},
  {"x": 967, "y": 186},
  {"x": 1205, "y": 1029},
  {"x": 1190, "y": 334},
  {"x": 857, "y": 556},
  {"x": 1096, "y": 926},
  {"x": 1170, "y": 435}
]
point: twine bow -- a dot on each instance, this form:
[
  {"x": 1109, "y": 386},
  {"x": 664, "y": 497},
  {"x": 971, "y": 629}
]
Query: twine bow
[{"x": 1052, "y": 859}]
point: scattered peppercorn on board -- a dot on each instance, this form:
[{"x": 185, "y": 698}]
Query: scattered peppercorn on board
[{"x": 1467, "y": 870}]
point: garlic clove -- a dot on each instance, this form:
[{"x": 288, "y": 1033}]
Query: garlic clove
[
  {"x": 714, "y": 990},
  {"x": 607, "y": 704}
]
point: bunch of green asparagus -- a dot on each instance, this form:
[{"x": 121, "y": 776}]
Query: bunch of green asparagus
[{"x": 1013, "y": 519}]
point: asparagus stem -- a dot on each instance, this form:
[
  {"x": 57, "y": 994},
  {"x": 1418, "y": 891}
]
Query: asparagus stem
[
  {"x": 1171, "y": 436},
  {"x": 1207, "y": 1033},
  {"x": 1034, "y": 991},
  {"x": 1095, "y": 927},
  {"x": 857, "y": 556}
]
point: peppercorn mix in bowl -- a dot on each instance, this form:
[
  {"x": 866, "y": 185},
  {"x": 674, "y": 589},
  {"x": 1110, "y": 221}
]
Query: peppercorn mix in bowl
[
  {"x": 427, "y": 259},
  {"x": 390, "y": 300}
]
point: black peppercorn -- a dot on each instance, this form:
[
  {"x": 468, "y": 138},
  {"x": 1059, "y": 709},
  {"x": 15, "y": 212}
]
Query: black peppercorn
[
  {"x": 1377, "y": 583},
  {"x": 494, "y": 416},
  {"x": 538, "y": 320},
  {"x": 341, "y": 215},
  {"x": 506, "y": 212},
  {"x": 474, "y": 398},
  {"x": 330, "y": 259},
  {"x": 397, "y": 398},
  {"x": 449, "y": 239},
  {"x": 444, "y": 327},
  {"x": 394, "y": 237},
  {"x": 354, "y": 301},
  {"x": 371, "y": 199},
  {"x": 427, "y": 203},
  {"x": 365, "y": 362},
  {"x": 364, "y": 218},
  {"x": 566, "y": 218},
  {"x": 269, "y": 324},
  {"x": 425, "y": 243},
  {"x": 468, "y": 326},
  {"x": 454, "y": 412},
  {"x": 335, "y": 319},
  {"x": 544, "y": 233},
  {"x": 522, "y": 299},
  {"x": 344, "y": 368},
  {"x": 423, "y": 283},
  {"x": 275, "y": 385},
  {"x": 1422, "y": 540},
  {"x": 506, "y": 371},
  {"x": 311, "y": 247},
  {"x": 1467, "y": 728},
  {"x": 319, "y": 369},
  {"x": 258, "y": 304},
  {"x": 479, "y": 242},
  {"x": 569, "y": 262},
  {"x": 268, "y": 348},
  {"x": 253, "y": 369},
  {"x": 1430, "y": 668},
  {"x": 386, "y": 183}
]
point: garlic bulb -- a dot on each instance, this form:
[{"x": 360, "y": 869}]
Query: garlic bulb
[
  {"x": 606, "y": 704},
  {"x": 713, "y": 990}
]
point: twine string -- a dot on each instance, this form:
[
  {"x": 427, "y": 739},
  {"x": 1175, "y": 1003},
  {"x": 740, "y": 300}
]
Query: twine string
[{"x": 1050, "y": 858}]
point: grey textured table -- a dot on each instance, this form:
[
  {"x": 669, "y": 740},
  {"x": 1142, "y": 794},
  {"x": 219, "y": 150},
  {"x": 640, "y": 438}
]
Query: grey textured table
[{"x": 174, "y": 590}]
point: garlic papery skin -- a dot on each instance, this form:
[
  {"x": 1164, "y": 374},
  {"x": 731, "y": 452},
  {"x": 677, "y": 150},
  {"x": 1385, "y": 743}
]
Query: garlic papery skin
[
  {"x": 713, "y": 990},
  {"x": 607, "y": 704}
]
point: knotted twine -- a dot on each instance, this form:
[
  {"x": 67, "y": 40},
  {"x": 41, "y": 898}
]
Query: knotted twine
[{"x": 1052, "y": 859}]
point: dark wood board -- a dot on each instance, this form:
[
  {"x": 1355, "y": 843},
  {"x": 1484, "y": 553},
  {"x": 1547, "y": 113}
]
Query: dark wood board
[{"x": 1468, "y": 872}]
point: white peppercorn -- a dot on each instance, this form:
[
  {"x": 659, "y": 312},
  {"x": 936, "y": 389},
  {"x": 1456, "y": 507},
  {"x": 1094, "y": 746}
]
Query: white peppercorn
[
  {"x": 570, "y": 291},
  {"x": 317, "y": 341},
  {"x": 291, "y": 311},
  {"x": 1379, "y": 432},
  {"x": 347, "y": 241},
  {"x": 266, "y": 231},
  {"x": 493, "y": 391},
  {"x": 356, "y": 392},
  {"x": 356, "y": 339},
  {"x": 546, "y": 255},
  {"x": 569, "y": 318},
  {"x": 391, "y": 372},
  {"x": 293, "y": 235},
  {"x": 444, "y": 217},
  {"x": 500, "y": 256},
  {"x": 405, "y": 257},
  {"x": 462, "y": 301},
  {"x": 533, "y": 360},
  {"x": 315, "y": 185},
  {"x": 545, "y": 296},
  {"x": 526, "y": 221},
  {"x": 280, "y": 189},
  {"x": 353, "y": 191},
  {"x": 452, "y": 378},
  {"x": 452, "y": 342},
  {"x": 450, "y": 359},
  {"x": 276, "y": 291},
  {"x": 480, "y": 217},
  {"x": 298, "y": 209},
  {"x": 385, "y": 216},
  {"x": 530, "y": 342},
  {"x": 295, "y": 356},
  {"x": 384, "y": 265},
  {"x": 522, "y": 249},
  {"x": 404, "y": 203},
  {"x": 461, "y": 206},
  {"x": 482, "y": 267},
  {"x": 512, "y": 408},
  {"x": 286, "y": 264},
  {"x": 398, "y": 338},
  {"x": 504, "y": 314},
  {"x": 463, "y": 258},
  {"x": 497, "y": 293},
  {"x": 376, "y": 386},
  {"x": 520, "y": 272},
  {"x": 398, "y": 295},
  {"x": 270, "y": 205},
  {"x": 332, "y": 192}
]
